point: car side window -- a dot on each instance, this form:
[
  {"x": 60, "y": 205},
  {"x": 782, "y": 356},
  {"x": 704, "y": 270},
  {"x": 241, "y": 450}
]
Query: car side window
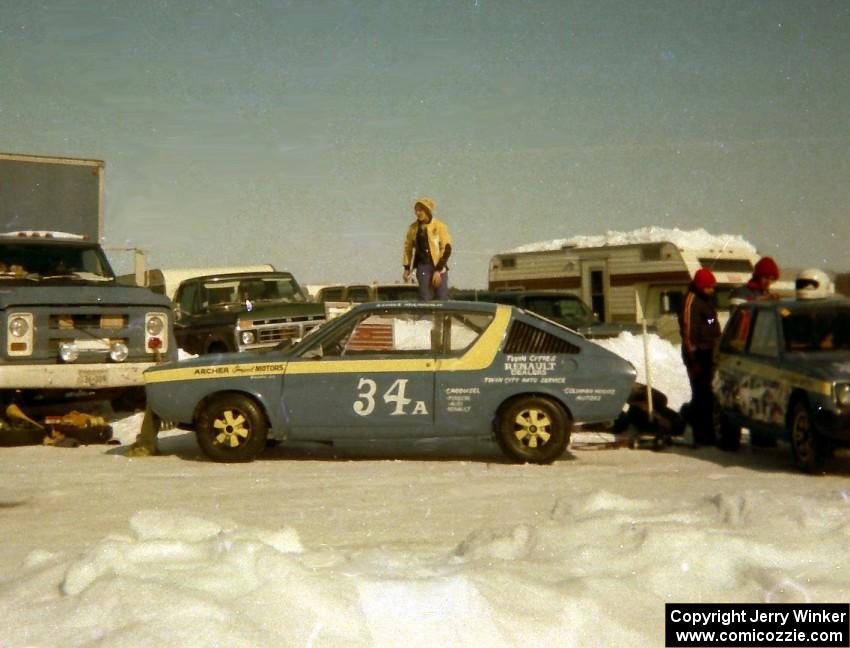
[
  {"x": 737, "y": 331},
  {"x": 382, "y": 334},
  {"x": 459, "y": 331},
  {"x": 765, "y": 339}
]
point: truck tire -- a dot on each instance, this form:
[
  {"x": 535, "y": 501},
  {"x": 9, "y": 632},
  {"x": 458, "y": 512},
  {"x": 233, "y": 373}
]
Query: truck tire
[
  {"x": 533, "y": 429},
  {"x": 231, "y": 428}
]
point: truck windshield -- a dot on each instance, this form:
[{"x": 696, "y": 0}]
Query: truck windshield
[
  {"x": 34, "y": 261},
  {"x": 818, "y": 329},
  {"x": 257, "y": 290}
]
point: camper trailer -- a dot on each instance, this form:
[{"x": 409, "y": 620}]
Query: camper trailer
[{"x": 621, "y": 281}]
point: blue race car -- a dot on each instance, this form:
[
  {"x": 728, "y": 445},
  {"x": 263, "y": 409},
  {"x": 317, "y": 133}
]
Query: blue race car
[{"x": 390, "y": 372}]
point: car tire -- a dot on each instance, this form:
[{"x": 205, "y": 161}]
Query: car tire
[
  {"x": 532, "y": 429},
  {"x": 231, "y": 428},
  {"x": 727, "y": 434},
  {"x": 806, "y": 444}
]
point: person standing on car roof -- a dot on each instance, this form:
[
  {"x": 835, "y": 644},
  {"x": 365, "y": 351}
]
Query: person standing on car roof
[
  {"x": 700, "y": 331},
  {"x": 427, "y": 248},
  {"x": 758, "y": 287}
]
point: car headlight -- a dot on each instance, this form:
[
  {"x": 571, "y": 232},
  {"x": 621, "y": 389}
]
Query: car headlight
[
  {"x": 18, "y": 326},
  {"x": 154, "y": 325},
  {"x": 842, "y": 394},
  {"x": 248, "y": 337}
]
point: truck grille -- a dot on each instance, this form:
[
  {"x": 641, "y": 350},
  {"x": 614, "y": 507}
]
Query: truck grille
[
  {"x": 87, "y": 321},
  {"x": 272, "y": 331}
]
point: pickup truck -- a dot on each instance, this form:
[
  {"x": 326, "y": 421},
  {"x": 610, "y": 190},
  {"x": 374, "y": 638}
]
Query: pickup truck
[{"x": 242, "y": 311}]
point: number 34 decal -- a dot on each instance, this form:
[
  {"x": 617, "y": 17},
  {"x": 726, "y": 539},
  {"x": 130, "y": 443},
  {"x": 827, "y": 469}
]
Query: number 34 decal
[{"x": 365, "y": 403}]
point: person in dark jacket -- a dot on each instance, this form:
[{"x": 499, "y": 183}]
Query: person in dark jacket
[
  {"x": 700, "y": 331},
  {"x": 757, "y": 288}
]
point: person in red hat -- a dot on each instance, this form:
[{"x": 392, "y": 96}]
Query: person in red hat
[
  {"x": 700, "y": 330},
  {"x": 758, "y": 287}
]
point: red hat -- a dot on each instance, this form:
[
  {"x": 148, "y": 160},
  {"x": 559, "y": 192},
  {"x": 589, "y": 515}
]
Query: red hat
[
  {"x": 766, "y": 267},
  {"x": 703, "y": 279}
]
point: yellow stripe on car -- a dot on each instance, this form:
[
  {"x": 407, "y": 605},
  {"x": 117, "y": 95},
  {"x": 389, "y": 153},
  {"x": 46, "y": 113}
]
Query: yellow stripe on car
[{"x": 478, "y": 357}]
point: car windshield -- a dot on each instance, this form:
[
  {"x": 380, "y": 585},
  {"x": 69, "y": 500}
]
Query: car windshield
[
  {"x": 34, "y": 261},
  {"x": 826, "y": 328}
]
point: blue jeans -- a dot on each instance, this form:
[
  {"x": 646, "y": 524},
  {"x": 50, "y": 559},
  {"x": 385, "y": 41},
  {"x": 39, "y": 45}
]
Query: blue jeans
[{"x": 426, "y": 290}]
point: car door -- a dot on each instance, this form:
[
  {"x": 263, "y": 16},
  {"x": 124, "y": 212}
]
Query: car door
[
  {"x": 468, "y": 344},
  {"x": 374, "y": 378},
  {"x": 760, "y": 398}
]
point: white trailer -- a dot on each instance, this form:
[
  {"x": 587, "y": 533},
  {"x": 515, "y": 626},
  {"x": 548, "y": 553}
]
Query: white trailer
[{"x": 611, "y": 273}]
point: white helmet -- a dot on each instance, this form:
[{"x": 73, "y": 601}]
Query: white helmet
[{"x": 813, "y": 284}]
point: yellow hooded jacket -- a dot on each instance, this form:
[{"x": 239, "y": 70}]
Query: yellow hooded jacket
[{"x": 438, "y": 238}]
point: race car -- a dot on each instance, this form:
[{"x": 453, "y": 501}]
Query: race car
[
  {"x": 401, "y": 372},
  {"x": 783, "y": 372}
]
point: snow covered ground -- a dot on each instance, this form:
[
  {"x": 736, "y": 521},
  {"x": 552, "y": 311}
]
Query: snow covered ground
[{"x": 310, "y": 549}]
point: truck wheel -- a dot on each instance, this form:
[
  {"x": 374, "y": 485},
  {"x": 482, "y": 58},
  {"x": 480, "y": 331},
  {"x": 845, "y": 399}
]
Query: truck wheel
[
  {"x": 806, "y": 445},
  {"x": 726, "y": 433},
  {"x": 231, "y": 428},
  {"x": 533, "y": 430}
]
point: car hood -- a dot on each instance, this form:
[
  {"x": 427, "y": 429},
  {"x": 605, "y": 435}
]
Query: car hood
[{"x": 824, "y": 365}]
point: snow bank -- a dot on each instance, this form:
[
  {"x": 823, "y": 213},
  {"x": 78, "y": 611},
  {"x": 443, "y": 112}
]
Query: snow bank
[
  {"x": 177, "y": 579},
  {"x": 666, "y": 367},
  {"x": 697, "y": 239}
]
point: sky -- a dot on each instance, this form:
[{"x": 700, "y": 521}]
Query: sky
[{"x": 301, "y": 133}]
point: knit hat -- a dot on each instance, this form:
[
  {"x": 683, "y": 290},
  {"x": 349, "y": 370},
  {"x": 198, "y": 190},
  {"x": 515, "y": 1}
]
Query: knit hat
[
  {"x": 427, "y": 203},
  {"x": 704, "y": 278},
  {"x": 766, "y": 267}
]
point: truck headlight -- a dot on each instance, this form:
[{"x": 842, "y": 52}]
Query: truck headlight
[
  {"x": 154, "y": 325},
  {"x": 18, "y": 326},
  {"x": 20, "y": 340},
  {"x": 842, "y": 394},
  {"x": 248, "y": 337},
  {"x": 118, "y": 351},
  {"x": 156, "y": 332},
  {"x": 69, "y": 351}
]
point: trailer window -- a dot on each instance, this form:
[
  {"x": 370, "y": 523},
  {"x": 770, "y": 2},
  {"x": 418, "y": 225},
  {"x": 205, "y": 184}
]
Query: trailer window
[
  {"x": 650, "y": 253},
  {"x": 671, "y": 301},
  {"x": 727, "y": 265}
]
